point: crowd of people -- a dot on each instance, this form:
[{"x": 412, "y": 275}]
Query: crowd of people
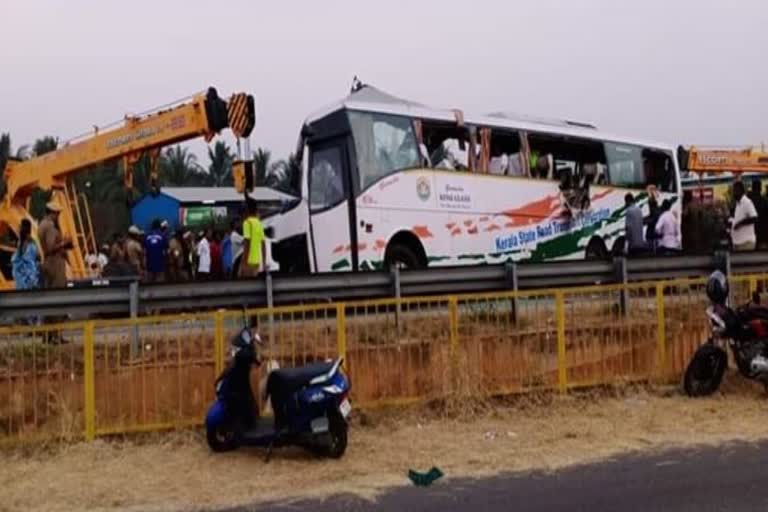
[
  {"x": 659, "y": 232},
  {"x": 154, "y": 257}
]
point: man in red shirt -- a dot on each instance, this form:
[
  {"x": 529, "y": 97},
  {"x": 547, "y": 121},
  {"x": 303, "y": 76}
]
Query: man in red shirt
[{"x": 215, "y": 241}]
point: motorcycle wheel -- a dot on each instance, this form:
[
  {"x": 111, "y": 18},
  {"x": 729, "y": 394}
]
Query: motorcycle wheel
[
  {"x": 223, "y": 438},
  {"x": 705, "y": 371},
  {"x": 337, "y": 436}
]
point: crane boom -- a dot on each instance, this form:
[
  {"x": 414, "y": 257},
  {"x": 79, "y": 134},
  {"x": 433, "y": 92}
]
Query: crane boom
[
  {"x": 204, "y": 115},
  {"x": 701, "y": 159}
]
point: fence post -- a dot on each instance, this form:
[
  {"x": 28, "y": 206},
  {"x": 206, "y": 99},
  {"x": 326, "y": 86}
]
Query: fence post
[
  {"x": 218, "y": 341},
  {"x": 270, "y": 305},
  {"x": 341, "y": 330},
  {"x": 753, "y": 289},
  {"x": 89, "y": 382},
  {"x": 562, "y": 364},
  {"x": 133, "y": 293},
  {"x": 394, "y": 271},
  {"x": 512, "y": 281},
  {"x": 661, "y": 336},
  {"x": 453, "y": 320},
  {"x": 620, "y": 271}
]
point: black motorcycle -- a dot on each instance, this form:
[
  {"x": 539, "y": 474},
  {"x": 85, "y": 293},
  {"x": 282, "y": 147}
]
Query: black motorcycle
[{"x": 744, "y": 330}]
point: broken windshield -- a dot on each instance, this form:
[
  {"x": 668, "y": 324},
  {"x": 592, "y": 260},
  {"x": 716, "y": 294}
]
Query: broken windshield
[{"x": 384, "y": 144}]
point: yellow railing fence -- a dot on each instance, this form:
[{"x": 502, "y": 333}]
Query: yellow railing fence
[{"x": 100, "y": 377}]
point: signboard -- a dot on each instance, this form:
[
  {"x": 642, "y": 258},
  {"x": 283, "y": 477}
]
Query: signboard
[{"x": 202, "y": 216}]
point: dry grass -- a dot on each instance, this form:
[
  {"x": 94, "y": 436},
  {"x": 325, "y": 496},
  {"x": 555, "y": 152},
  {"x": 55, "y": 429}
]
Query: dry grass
[{"x": 543, "y": 432}]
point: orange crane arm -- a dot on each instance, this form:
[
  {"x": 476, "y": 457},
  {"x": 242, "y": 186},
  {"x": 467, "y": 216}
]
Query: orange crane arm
[
  {"x": 699, "y": 159},
  {"x": 203, "y": 116}
]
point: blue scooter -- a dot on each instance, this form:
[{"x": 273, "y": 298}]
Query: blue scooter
[{"x": 310, "y": 405}]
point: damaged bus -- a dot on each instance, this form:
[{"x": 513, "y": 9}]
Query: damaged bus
[{"x": 386, "y": 181}]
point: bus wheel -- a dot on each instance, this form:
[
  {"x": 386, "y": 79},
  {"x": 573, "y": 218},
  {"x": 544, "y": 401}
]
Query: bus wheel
[
  {"x": 402, "y": 256},
  {"x": 596, "y": 250}
]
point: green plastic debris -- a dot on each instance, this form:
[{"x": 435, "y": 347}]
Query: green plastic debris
[{"x": 424, "y": 479}]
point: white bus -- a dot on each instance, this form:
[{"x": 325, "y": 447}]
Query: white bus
[{"x": 387, "y": 181}]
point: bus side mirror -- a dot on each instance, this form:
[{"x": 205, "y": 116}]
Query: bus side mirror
[{"x": 269, "y": 232}]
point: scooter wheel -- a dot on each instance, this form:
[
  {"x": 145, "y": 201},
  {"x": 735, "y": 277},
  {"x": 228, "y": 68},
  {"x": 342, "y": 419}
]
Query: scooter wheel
[
  {"x": 223, "y": 438},
  {"x": 337, "y": 435}
]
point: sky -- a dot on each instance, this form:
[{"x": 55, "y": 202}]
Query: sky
[{"x": 682, "y": 71}]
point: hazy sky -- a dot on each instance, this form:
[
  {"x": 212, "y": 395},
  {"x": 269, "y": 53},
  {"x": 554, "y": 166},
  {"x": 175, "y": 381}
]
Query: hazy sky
[{"x": 683, "y": 71}]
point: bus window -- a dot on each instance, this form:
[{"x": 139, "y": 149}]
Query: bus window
[
  {"x": 566, "y": 158},
  {"x": 326, "y": 179},
  {"x": 506, "y": 154},
  {"x": 449, "y": 146},
  {"x": 638, "y": 167},
  {"x": 384, "y": 144}
]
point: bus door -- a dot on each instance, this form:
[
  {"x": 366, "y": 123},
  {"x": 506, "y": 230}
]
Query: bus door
[{"x": 334, "y": 243}]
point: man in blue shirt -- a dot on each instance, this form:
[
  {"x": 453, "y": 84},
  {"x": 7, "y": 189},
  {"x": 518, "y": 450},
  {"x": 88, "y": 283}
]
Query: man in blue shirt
[
  {"x": 227, "y": 255},
  {"x": 156, "y": 247}
]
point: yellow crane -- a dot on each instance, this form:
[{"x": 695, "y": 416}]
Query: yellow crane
[
  {"x": 714, "y": 159},
  {"x": 204, "y": 115}
]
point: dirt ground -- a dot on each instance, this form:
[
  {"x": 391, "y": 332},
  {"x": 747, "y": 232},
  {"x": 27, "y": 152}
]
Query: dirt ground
[{"x": 176, "y": 471}]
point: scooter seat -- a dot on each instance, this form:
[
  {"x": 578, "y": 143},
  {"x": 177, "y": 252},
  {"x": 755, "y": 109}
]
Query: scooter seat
[{"x": 287, "y": 380}]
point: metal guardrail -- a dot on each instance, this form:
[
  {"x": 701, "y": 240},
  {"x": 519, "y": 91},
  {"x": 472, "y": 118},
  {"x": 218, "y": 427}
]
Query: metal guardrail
[{"x": 131, "y": 299}]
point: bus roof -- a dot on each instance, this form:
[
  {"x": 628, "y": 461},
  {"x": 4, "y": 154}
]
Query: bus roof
[{"x": 371, "y": 99}]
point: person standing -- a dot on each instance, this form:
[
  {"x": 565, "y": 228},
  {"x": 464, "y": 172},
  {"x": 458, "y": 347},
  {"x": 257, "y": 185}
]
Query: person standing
[
  {"x": 226, "y": 254},
  {"x": 24, "y": 262},
  {"x": 633, "y": 219},
  {"x": 54, "y": 248},
  {"x": 117, "y": 249},
  {"x": 156, "y": 248},
  {"x": 654, "y": 212},
  {"x": 668, "y": 230},
  {"x": 761, "y": 207},
  {"x": 134, "y": 251},
  {"x": 203, "y": 257},
  {"x": 176, "y": 264},
  {"x": 236, "y": 236},
  {"x": 253, "y": 249},
  {"x": 190, "y": 255},
  {"x": 215, "y": 244},
  {"x": 744, "y": 219}
]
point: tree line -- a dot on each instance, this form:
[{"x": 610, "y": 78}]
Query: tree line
[{"x": 103, "y": 185}]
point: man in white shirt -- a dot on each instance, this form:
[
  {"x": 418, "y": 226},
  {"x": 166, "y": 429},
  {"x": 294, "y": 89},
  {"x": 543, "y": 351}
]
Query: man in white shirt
[
  {"x": 668, "y": 230},
  {"x": 204, "y": 256},
  {"x": 743, "y": 236}
]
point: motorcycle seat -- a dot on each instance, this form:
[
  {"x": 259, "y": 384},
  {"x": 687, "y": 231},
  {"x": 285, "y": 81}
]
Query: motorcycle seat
[{"x": 287, "y": 380}]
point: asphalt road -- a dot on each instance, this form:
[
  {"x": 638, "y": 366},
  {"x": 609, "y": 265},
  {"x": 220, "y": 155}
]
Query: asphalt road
[{"x": 731, "y": 477}]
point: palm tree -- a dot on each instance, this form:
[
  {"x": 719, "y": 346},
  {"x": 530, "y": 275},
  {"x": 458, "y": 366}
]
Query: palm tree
[
  {"x": 39, "y": 197},
  {"x": 220, "y": 168},
  {"x": 284, "y": 175},
  {"x": 5, "y": 149},
  {"x": 261, "y": 164},
  {"x": 179, "y": 167},
  {"x": 107, "y": 197},
  {"x": 45, "y": 145}
]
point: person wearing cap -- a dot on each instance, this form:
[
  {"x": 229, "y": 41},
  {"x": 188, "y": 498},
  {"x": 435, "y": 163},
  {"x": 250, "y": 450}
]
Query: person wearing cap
[
  {"x": 134, "y": 250},
  {"x": 156, "y": 248},
  {"x": 55, "y": 247},
  {"x": 54, "y": 267}
]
